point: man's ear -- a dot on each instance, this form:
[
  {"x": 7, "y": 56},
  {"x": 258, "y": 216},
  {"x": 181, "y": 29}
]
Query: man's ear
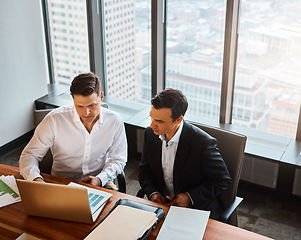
[{"x": 179, "y": 119}]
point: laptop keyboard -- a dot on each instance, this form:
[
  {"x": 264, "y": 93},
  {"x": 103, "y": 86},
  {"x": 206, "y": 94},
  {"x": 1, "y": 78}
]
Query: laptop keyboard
[{"x": 94, "y": 199}]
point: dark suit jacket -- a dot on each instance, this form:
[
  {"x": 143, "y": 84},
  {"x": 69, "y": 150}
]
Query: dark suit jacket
[{"x": 198, "y": 169}]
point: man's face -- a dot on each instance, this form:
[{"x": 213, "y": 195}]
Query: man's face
[
  {"x": 162, "y": 122},
  {"x": 88, "y": 107}
]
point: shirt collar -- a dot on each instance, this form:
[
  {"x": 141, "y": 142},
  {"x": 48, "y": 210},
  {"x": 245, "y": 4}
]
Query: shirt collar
[
  {"x": 100, "y": 120},
  {"x": 176, "y": 137},
  {"x": 76, "y": 118}
]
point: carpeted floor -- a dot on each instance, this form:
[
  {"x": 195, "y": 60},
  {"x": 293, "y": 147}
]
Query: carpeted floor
[{"x": 262, "y": 211}]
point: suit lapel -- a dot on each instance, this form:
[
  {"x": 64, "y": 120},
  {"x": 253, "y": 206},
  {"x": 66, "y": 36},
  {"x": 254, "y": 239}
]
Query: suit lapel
[
  {"x": 183, "y": 148},
  {"x": 156, "y": 145}
]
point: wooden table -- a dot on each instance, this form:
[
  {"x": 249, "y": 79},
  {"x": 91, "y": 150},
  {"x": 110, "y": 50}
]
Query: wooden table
[{"x": 14, "y": 221}]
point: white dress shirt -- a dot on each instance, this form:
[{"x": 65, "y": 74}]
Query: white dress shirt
[
  {"x": 169, "y": 151},
  {"x": 76, "y": 152}
]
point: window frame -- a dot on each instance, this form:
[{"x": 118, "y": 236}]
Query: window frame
[{"x": 48, "y": 40}]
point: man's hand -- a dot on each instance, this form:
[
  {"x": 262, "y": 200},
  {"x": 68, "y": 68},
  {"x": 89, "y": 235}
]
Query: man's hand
[
  {"x": 38, "y": 179},
  {"x": 158, "y": 198},
  {"x": 92, "y": 180},
  {"x": 181, "y": 200}
]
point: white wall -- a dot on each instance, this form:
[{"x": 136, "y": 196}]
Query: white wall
[{"x": 23, "y": 69}]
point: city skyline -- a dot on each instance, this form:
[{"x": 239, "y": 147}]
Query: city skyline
[{"x": 265, "y": 71}]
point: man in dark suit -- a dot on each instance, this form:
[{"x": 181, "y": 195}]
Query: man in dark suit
[{"x": 180, "y": 164}]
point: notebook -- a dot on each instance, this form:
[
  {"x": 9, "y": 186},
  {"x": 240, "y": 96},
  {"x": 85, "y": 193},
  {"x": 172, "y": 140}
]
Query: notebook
[{"x": 73, "y": 202}]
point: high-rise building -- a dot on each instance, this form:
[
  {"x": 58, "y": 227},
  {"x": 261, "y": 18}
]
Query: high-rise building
[
  {"x": 69, "y": 39},
  {"x": 70, "y": 50},
  {"x": 119, "y": 30}
]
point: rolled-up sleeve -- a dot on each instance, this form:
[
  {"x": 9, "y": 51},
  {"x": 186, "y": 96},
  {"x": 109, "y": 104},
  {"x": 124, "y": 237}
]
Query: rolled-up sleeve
[
  {"x": 35, "y": 150},
  {"x": 117, "y": 155}
]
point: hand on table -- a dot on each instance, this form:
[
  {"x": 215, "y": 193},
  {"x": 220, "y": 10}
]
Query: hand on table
[
  {"x": 158, "y": 198},
  {"x": 92, "y": 180},
  {"x": 181, "y": 200},
  {"x": 38, "y": 179}
]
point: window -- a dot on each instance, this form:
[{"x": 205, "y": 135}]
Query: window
[
  {"x": 188, "y": 42},
  {"x": 128, "y": 49},
  {"x": 67, "y": 34},
  {"x": 194, "y": 53},
  {"x": 268, "y": 68}
]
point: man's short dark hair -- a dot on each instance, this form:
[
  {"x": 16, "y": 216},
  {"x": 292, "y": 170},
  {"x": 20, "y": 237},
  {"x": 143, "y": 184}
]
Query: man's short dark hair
[
  {"x": 171, "y": 98},
  {"x": 85, "y": 84}
]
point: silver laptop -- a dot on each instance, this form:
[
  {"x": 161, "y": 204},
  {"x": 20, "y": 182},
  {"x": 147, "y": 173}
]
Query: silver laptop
[{"x": 72, "y": 202}]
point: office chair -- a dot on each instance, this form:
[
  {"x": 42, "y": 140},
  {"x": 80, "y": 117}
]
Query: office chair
[
  {"x": 46, "y": 164},
  {"x": 231, "y": 146}
]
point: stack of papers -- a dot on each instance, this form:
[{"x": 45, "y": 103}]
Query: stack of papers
[
  {"x": 184, "y": 224},
  {"x": 125, "y": 223},
  {"x": 9, "y": 192}
]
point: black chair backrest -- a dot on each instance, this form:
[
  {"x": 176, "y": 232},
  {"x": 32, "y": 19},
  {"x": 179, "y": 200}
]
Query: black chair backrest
[{"x": 231, "y": 146}]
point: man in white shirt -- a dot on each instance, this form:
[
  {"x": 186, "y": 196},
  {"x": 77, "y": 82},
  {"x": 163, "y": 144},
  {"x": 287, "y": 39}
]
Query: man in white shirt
[{"x": 88, "y": 142}]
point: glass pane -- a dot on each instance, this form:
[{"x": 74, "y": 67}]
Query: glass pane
[
  {"x": 194, "y": 53},
  {"x": 127, "y": 28},
  {"x": 268, "y": 86},
  {"x": 69, "y": 39}
]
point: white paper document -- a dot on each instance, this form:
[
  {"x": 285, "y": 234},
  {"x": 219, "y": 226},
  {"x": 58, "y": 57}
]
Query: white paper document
[
  {"x": 184, "y": 224},
  {"x": 9, "y": 192},
  {"x": 26, "y": 236},
  {"x": 124, "y": 222}
]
